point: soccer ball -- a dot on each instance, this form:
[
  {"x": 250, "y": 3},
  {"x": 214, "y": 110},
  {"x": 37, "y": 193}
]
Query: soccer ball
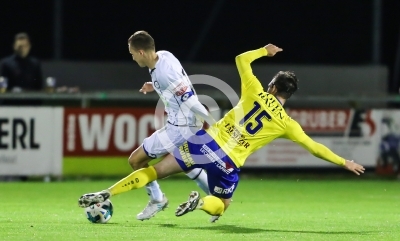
[{"x": 99, "y": 212}]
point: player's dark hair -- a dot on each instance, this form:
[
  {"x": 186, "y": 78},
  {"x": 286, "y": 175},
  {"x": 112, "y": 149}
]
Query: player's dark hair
[
  {"x": 21, "y": 36},
  {"x": 141, "y": 40},
  {"x": 286, "y": 83}
]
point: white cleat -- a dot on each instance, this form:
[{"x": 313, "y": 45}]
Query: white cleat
[
  {"x": 152, "y": 209},
  {"x": 189, "y": 205},
  {"x": 213, "y": 219},
  {"x": 89, "y": 199}
]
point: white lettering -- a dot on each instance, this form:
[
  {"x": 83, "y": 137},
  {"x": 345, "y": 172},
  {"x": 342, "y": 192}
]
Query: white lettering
[
  {"x": 95, "y": 132},
  {"x": 321, "y": 119},
  {"x": 341, "y": 119},
  {"x": 211, "y": 155},
  {"x": 71, "y": 133},
  {"x": 122, "y": 143},
  {"x": 220, "y": 190},
  {"x": 215, "y": 159}
]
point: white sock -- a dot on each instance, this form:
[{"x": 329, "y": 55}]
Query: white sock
[
  {"x": 154, "y": 191},
  {"x": 200, "y": 177}
]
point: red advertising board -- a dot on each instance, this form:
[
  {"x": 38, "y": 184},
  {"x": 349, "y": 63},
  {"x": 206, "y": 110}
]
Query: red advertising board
[
  {"x": 106, "y": 131},
  {"x": 334, "y": 122},
  {"x": 118, "y": 131}
]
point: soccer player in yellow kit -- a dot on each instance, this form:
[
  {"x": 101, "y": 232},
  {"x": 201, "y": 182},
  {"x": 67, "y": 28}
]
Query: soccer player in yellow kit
[{"x": 221, "y": 150}]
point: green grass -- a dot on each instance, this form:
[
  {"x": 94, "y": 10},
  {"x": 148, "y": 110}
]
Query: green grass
[
  {"x": 97, "y": 166},
  {"x": 261, "y": 210}
]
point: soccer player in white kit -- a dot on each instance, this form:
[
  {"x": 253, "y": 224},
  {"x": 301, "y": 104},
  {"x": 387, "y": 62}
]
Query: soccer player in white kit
[{"x": 170, "y": 81}]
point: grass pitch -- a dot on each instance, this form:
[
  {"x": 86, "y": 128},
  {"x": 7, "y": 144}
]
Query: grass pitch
[{"x": 261, "y": 210}]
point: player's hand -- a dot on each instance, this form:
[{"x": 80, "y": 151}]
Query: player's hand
[
  {"x": 205, "y": 125},
  {"x": 354, "y": 167},
  {"x": 147, "y": 87},
  {"x": 272, "y": 49}
]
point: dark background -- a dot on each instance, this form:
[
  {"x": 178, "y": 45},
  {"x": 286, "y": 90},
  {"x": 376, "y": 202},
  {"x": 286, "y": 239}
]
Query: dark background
[{"x": 309, "y": 31}]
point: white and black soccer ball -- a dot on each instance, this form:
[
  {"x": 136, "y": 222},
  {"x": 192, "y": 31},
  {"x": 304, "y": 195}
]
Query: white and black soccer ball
[{"x": 100, "y": 212}]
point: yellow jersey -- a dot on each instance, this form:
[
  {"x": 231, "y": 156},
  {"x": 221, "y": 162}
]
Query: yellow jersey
[{"x": 258, "y": 119}]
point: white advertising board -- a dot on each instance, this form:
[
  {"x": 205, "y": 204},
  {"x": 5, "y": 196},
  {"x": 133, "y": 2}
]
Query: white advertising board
[{"x": 31, "y": 141}]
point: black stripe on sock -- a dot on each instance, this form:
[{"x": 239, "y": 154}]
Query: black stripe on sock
[{"x": 197, "y": 175}]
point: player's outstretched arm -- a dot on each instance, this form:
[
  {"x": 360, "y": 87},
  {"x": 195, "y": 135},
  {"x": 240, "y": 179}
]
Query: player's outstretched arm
[
  {"x": 296, "y": 134},
  {"x": 244, "y": 60},
  {"x": 323, "y": 152},
  {"x": 193, "y": 104}
]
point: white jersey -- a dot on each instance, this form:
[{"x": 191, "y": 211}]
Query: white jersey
[{"x": 174, "y": 87}]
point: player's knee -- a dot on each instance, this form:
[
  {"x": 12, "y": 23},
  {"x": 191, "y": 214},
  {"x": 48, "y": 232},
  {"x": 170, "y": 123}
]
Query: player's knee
[
  {"x": 131, "y": 162},
  {"x": 136, "y": 163},
  {"x": 213, "y": 205}
]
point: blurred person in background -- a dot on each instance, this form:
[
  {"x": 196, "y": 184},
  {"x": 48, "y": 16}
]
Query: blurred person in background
[
  {"x": 390, "y": 145},
  {"x": 23, "y": 72}
]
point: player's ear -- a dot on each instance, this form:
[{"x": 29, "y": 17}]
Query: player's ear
[{"x": 274, "y": 90}]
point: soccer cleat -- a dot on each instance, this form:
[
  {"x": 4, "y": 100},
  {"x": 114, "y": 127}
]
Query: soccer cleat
[
  {"x": 92, "y": 198},
  {"x": 189, "y": 205},
  {"x": 152, "y": 209},
  {"x": 213, "y": 219}
]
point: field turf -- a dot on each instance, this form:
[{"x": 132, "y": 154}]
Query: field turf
[{"x": 268, "y": 209}]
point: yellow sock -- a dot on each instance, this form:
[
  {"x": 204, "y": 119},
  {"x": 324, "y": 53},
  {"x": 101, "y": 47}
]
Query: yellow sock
[
  {"x": 135, "y": 180},
  {"x": 211, "y": 205}
]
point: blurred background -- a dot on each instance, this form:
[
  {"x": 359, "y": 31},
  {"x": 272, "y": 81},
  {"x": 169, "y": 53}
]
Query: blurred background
[{"x": 70, "y": 106}]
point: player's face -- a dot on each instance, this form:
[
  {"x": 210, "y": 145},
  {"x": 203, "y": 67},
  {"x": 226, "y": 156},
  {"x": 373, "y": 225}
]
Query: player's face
[{"x": 138, "y": 56}]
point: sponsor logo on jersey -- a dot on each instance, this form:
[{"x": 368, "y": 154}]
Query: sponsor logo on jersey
[
  {"x": 186, "y": 96},
  {"x": 236, "y": 135},
  {"x": 156, "y": 84},
  {"x": 186, "y": 157},
  {"x": 210, "y": 154},
  {"x": 221, "y": 190},
  {"x": 180, "y": 89}
]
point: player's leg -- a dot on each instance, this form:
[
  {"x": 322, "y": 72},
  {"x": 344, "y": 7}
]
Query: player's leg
[
  {"x": 200, "y": 177},
  {"x": 222, "y": 184},
  {"x": 182, "y": 134},
  {"x": 135, "y": 180},
  {"x": 153, "y": 147},
  {"x": 198, "y": 174},
  {"x": 212, "y": 205},
  {"x": 139, "y": 158}
]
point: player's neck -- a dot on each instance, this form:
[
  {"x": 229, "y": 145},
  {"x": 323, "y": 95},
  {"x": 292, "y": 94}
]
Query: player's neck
[
  {"x": 151, "y": 63},
  {"x": 280, "y": 99}
]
